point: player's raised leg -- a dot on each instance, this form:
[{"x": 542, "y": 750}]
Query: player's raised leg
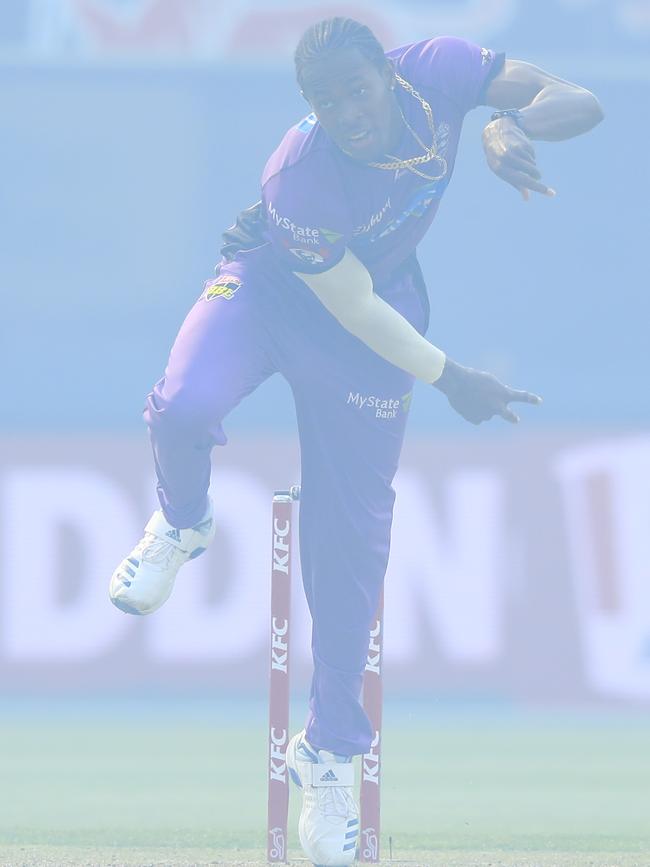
[{"x": 220, "y": 355}]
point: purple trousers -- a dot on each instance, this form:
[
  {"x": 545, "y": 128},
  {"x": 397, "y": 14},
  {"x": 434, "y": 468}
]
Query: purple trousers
[{"x": 351, "y": 407}]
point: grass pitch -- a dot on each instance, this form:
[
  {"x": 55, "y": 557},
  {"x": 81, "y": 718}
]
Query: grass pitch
[{"x": 156, "y": 782}]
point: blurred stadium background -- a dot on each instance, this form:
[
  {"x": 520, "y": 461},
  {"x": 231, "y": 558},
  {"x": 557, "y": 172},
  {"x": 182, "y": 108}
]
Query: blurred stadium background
[{"x": 133, "y": 131}]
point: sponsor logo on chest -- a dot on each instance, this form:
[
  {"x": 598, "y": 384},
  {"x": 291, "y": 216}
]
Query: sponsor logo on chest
[
  {"x": 306, "y": 235},
  {"x": 374, "y": 220},
  {"x": 413, "y": 193}
]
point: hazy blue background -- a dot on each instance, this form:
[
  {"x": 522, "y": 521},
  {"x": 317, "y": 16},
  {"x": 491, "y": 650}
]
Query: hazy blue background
[{"x": 119, "y": 176}]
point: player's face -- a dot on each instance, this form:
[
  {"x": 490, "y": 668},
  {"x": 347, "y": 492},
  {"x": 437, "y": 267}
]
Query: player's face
[{"x": 354, "y": 103}]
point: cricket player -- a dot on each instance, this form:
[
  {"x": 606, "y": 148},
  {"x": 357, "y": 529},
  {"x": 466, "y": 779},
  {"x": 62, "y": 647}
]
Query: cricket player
[{"x": 320, "y": 282}]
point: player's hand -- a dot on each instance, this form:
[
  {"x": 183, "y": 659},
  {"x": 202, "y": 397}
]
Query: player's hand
[
  {"x": 511, "y": 155},
  {"x": 247, "y": 233},
  {"x": 478, "y": 396}
]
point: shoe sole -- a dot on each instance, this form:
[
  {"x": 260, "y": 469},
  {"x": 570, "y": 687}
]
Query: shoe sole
[{"x": 127, "y": 609}]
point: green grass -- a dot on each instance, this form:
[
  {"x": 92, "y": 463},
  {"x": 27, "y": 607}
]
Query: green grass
[{"x": 137, "y": 782}]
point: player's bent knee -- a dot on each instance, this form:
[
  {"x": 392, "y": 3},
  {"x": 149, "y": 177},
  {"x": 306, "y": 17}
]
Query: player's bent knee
[{"x": 186, "y": 411}]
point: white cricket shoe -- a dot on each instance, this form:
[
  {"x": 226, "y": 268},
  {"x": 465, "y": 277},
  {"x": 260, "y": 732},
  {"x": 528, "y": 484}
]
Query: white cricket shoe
[
  {"x": 329, "y": 820},
  {"x": 144, "y": 580}
]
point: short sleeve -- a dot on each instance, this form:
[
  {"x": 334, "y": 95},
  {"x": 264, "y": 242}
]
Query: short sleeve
[
  {"x": 307, "y": 221},
  {"x": 460, "y": 69}
]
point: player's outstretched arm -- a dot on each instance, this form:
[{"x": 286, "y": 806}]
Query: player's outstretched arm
[
  {"x": 346, "y": 290},
  {"x": 541, "y": 107}
]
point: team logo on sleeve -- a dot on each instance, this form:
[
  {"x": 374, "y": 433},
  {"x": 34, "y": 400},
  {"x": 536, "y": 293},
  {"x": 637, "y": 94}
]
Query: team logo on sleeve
[
  {"x": 486, "y": 56},
  {"x": 308, "y": 256},
  {"x": 223, "y": 286}
]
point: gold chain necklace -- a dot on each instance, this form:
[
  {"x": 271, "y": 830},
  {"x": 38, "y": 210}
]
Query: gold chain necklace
[{"x": 429, "y": 152}]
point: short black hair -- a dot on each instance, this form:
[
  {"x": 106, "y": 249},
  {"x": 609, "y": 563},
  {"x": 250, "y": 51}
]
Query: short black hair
[{"x": 334, "y": 34}]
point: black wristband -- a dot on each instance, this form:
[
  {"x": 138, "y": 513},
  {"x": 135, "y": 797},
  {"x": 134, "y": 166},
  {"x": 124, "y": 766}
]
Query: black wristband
[{"x": 514, "y": 113}]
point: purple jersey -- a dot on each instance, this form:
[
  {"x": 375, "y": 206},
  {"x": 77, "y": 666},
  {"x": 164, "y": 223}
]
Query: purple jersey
[{"x": 319, "y": 201}]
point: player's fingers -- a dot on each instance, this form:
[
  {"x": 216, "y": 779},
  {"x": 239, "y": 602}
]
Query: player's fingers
[
  {"x": 530, "y": 183},
  {"x": 523, "y": 396},
  {"x": 524, "y": 181},
  {"x": 509, "y": 415},
  {"x": 524, "y": 145},
  {"x": 527, "y": 148},
  {"x": 520, "y": 144},
  {"x": 550, "y": 193},
  {"x": 520, "y": 163}
]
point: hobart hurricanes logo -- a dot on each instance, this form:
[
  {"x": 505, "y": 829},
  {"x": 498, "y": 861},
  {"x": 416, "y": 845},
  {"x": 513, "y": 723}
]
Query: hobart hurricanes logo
[
  {"x": 308, "y": 256},
  {"x": 223, "y": 286}
]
